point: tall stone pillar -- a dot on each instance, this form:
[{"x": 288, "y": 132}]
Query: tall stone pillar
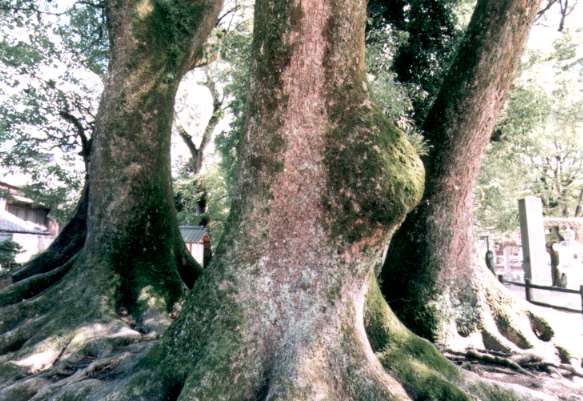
[{"x": 532, "y": 234}]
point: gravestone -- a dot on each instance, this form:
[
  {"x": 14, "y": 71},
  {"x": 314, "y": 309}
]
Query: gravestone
[{"x": 532, "y": 234}]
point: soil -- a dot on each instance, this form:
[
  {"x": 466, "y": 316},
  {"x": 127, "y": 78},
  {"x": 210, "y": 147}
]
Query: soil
[{"x": 553, "y": 386}]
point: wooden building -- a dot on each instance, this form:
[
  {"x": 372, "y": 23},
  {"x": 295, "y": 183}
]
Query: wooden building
[
  {"x": 25, "y": 222},
  {"x": 197, "y": 242}
]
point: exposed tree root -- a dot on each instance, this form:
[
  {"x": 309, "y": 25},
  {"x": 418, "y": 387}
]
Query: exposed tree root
[
  {"x": 217, "y": 358},
  {"x": 516, "y": 362},
  {"x": 91, "y": 368},
  {"x": 67, "y": 244},
  {"x": 427, "y": 374},
  {"x": 15, "y": 339},
  {"x": 34, "y": 285},
  {"x": 477, "y": 312},
  {"x": 49, "y": 319}
]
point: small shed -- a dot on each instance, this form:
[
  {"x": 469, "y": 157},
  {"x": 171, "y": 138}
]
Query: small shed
[
  {"x": 25, "y": 222},
  {"x": 197, "y": 242}
]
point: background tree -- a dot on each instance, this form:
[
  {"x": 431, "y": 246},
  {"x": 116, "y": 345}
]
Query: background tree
[
  {"x": 8, "y": 252},
  {"x": 203, "y": 195},
  {"x": 425, "y": 34},
  {"x": 53, "y": 60},
  {"x": 536, "y": 147},
  {"x": 430, "y": 277}
]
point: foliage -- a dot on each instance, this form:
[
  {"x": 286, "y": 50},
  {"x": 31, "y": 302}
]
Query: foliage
[
  {"x": 228, "y": 51},
  {"x": 236, "y": 52},
  {"x": 189, "y": 192},
  {"x": 52, "y": 61},
  {"x": 425, "y": 35},
  {"x": 537, "y": 148},
  {"x": 8, "y": 251}
]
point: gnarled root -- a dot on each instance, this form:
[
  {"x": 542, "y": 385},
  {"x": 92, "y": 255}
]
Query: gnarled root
[
  {"x": 34, "y": 285},
  {"x": 479, "y": 313},
  {"x": 67, "y": 311},
  {"x": 423, "y": 370},
  {"x": 219, "y": 357},
  {"x": 214, "y": 351},
  {"x": 67, "y": 244}
]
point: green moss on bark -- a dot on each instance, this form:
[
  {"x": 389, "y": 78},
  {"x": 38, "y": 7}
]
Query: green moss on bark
[
  {"x": 166, "y": 29},
  {"x": 10, "y": 372},
  {"x": 416, "y": 363},
  {"x": 373, "y": 172}
]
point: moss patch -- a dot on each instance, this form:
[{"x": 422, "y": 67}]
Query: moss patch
[
  {"x": 416, "y": 363},
  {"x": 10, "y": 372},
  {"x": 170, "y": 28},
  {"x": 374, "y": 174}
]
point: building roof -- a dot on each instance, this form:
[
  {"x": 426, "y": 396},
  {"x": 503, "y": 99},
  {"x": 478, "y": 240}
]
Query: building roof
[
  {"x": 14, "y": 195},
  {"x": 12, "y": 224},
  {"x": 193, "y": 233}
]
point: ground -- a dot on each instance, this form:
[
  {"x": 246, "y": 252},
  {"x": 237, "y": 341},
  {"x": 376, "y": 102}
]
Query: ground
[
  {"x": 105, "y": 361},
  {"x": 568, "y": 327}
]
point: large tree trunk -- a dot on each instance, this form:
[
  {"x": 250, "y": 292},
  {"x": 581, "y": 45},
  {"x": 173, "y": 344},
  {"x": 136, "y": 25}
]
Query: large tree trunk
[
  {"x": 431, "y": 277},
  {"x": 133, "y": 265},
  {"x": 324, "y": 180}
]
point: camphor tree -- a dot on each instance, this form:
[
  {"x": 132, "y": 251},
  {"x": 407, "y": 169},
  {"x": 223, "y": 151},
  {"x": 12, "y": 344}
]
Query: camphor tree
[
  {"x": 431, "y": 277},
  {"x": 50, "y": 88},
  {"x": 133, "y": 265},
  {"x": 425, "y": 34},
  {"x": 537, "y": 145},
  {"x": 53, "y": 58},
  {"x": 324, "y": 179}
]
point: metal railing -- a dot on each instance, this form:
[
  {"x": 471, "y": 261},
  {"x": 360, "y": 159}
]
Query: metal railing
[{"x": 528, "y": 287}]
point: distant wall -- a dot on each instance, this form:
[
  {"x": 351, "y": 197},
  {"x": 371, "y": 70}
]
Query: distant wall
[{"x": 32, "y": 244}]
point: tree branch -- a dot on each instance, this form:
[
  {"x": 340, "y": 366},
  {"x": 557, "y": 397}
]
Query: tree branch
[{"x": 85, "y": 141}]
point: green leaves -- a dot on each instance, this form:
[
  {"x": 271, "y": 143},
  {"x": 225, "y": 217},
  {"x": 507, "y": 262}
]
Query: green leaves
[
  {"x": 51, "y": 57},
  {"x": 537, "y": 148},
  {"x": 8, "y": 252}
]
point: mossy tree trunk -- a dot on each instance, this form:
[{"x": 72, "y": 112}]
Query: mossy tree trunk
[
  {"x": 283, "y": 312},
  {"x": 132, "y": 265},
  {"x": 431, "y": 277},
  {"x": 131, "y": 219},
  {"x": 324, "y": 180}
]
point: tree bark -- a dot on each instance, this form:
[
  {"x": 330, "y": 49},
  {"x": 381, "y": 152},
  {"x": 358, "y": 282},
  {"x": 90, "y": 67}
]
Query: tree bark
[
  {"x": 324, "y": 178},
  {"x": 431, "y": 276},
  {"x": 132, "y": 222},
  {"x": 127, "y": 273}
]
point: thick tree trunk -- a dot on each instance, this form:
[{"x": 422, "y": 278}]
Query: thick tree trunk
[
  {"x": 431, "y": 276},
  {"x": 324, "y": 180},
  {"x": 133, "y": 265}
]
